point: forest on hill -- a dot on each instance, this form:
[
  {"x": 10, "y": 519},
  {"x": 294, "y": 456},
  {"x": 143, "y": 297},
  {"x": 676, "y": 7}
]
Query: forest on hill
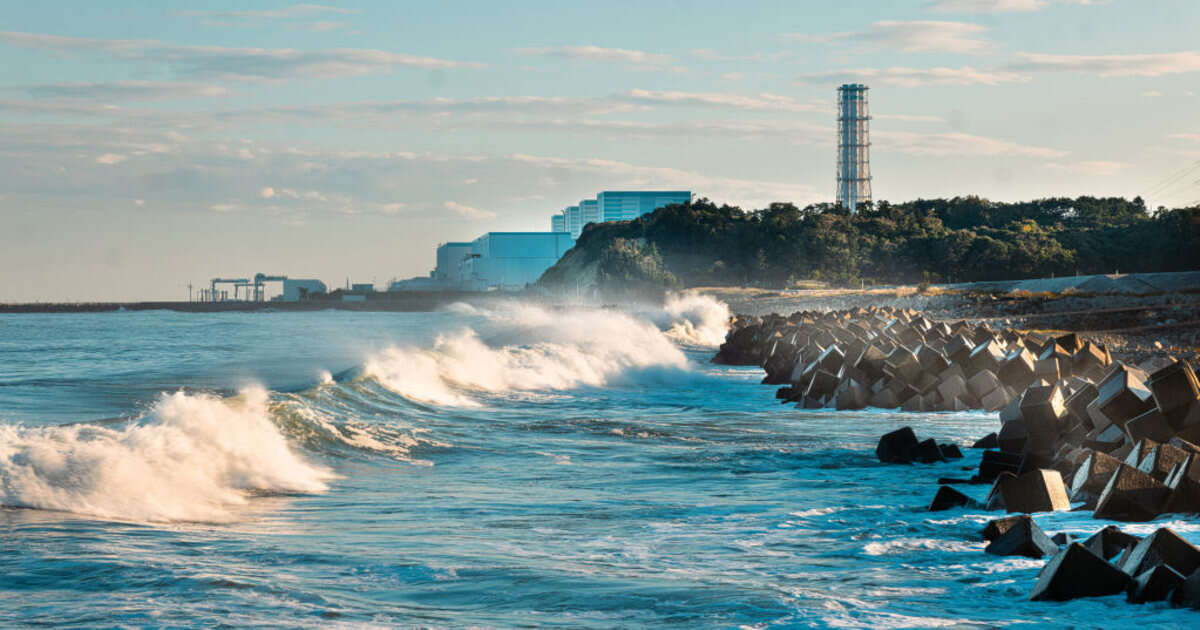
[{"x": 962, "y": 239}]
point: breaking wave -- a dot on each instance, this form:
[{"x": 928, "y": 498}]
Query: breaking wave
[
  {"x": 522, "y": 347},
  {"x": 193, "y": 457}
]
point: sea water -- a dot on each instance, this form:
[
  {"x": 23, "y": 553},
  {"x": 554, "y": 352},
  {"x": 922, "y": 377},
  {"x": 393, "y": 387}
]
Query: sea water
[{"x": 504, "y": 465}]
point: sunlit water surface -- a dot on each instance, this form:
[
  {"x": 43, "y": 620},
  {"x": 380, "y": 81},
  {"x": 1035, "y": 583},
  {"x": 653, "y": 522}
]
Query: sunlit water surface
[{"x": 498, "y": 467}]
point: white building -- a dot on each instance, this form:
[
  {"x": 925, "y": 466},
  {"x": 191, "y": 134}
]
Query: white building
[
  {"x": 295, "y": 289},
  {"x": 511, "y": 260}
]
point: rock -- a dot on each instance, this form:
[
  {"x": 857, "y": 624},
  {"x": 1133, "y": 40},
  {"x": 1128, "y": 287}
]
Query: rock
[
  {"x": 995, "y": 400},
  {"x": 1111, "y": 542},
  {"x": 927, "y": 452},
  {"x": 1175, "y": 389},
  {"x": 950, "y": 451},
  {"x": 1153, "y": 585},
  {"x": 988, "y": 441},
  {"x": 1187, "y": 594},
  {"x": 1164, "y": 546},
  {"x": 1018, "y": 369},
  {"x": 1023, "y": 538},
  {"x": 983, "y": 383},
  {"x": 1151, "y": 425},
  {"x": 995, "y": 528},
  {"x": 996, "y": 462},
  {"x": 985, "y": 356},
  {"x": 897, "y": 447},
  {"x": 1042, "y": 409},
  {"x": 1077, "y": 572},
  {"x": 1037, "y": 491},
  {"x": 1123, "y": 394},
  {"x": 952, "y": 387},
  {"x": 1184, "y": 483},
  {"x": 948, "y": 498},
  {"x": 1161, "y": 460},
  {"x": 1131, "y": 495},
  {"x": 1012, "y": 436},
  {"x": 1092, "y": 476}
]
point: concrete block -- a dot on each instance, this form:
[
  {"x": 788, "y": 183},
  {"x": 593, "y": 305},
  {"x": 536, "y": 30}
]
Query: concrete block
[
  {"x": 1091, "y": 477},
  {"x": 996, "y": 400},
  {"x": 1018, "y": 369},
  {"x": 1123, "y": 394},
  {"x": 985, "y": 356},
  {"x": 1187, "y": 593},
  {"x": 948, "y": 498},
  {"x": 1012, "y": 436},
  {"x": 1111, "y": 542},
  {"x": 995, "y": 462},
  {"x": 1131, "y": 495},
  {"x": 1153, "y": 585},
  {"x": 1036, "y": 491},
  {"x": 1151, "y": 425},
  {"x": 1161, "y": 460},
  {"x": 1023, "y": 538},
  {"x": 1042, "y": 409},
  {"x": 996, "y": 527},
  {"x": 927, "y": 452},
  {"x": 1164, "y": 546},
  {"x": 983, "y": 383},
  {"x": 988, "y": 441},
  {"x": 897, "y": 447},
  {"x": 1175, "y": 389},
  {"x": 1184, "y": 483},
  {"x": 1077, "y": 572},
  {"x": 952, "y": 387}
]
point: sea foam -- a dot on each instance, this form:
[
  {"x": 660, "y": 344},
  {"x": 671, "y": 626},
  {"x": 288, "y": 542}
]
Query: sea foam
[
  {"x": 193, "y": 457},
  {"x": 521, "y": 347}
]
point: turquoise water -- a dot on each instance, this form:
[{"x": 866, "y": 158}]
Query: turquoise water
[{"x": 502, "y": 467}]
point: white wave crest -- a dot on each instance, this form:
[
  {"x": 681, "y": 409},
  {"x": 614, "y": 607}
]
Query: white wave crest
[
  {"x": 694, "y": 319},
  {"x": 520, "y": 347},
  {"x": 192, "y": 458}
]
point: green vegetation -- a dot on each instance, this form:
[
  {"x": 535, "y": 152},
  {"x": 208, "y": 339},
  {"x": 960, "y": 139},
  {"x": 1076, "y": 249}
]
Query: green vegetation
[{"x": 928, "y": 240}]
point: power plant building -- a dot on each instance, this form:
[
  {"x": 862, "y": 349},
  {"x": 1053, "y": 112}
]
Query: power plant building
[
  {"x": 617, "y": 205},
  {"x": 854, "y": 147},
  {"x": 558, "y": 222},
  {"x": 511, "y": 260}
]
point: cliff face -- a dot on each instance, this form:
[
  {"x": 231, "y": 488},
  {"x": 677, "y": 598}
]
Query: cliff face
[{"x": 603, "y": 264}]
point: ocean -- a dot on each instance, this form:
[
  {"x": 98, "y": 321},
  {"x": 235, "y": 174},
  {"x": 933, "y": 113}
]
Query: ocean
[{"x": 493, "y": 466}]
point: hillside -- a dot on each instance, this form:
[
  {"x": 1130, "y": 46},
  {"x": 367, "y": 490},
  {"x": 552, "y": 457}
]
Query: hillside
[{"x": 963, "y": 239}]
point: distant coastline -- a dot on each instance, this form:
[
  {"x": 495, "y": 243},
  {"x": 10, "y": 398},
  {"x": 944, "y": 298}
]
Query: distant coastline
[{"x": 395, "y": 302}]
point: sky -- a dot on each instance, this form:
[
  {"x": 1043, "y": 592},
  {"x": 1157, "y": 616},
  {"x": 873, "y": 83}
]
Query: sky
[{"x": 148, "y": 145}]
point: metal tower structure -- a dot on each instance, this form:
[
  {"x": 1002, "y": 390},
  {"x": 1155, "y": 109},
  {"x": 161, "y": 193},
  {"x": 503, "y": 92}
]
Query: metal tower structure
[{"x": 854, "y": 146}]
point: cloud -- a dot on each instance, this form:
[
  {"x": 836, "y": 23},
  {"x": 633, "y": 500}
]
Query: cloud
[
  {"x": 122, "y": 91},
  {"x": 596, "y": 53},
  {"x": 1087, "y": 167},
  {"x": 324, "y": 26},
  {"x": 763, "y": 101},
  {"x": 917, "y": 77},
  {"x": 908, "y": 117},
  {"x": 239, "y": 63},
  {"x": 1140, "y": 65},
  {"x": 985, "y": 6},
  {"x": 912, "y": 36},
  {"x": 944, "y": 144},
  {"x": 267, "y": 192},
  {"x": 1151, "y": 94},
  {"x": 223, "y": 207},
  {"x": 1192, "y": 137},
  {"x": 468, "y": 212},
  {"x": 999, "y": 6},
  {"x": 293, "y": 11},
  {"x": 111, "y": 158}
]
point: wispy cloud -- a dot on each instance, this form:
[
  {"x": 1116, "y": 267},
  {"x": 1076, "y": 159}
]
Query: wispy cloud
[
  {"x": 763, "y": 101},
  {"x": 915, "y": 36},
  {"x": 239, "y": 63},
  {"x": 963, "y": 144},
  {"x": 1140, "y": 65},
  {"x": 122, "y": 91},
  {"x": 322, "y": 26},
  {"x": 1087, "y": 167},
  {"x": 998, "y": 6},
  {"x": 293, "y": 11},
  {"x": 917, "y": 77},
  {"x": 986, "y": 6},
  {"x": 468, "y": 212},
  {"x": 636, "y": 58}
]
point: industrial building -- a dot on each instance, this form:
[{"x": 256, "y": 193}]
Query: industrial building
[
  {"x": 558, "y": 223},
  {"x": 511, "y": 260},
  {"x": 854, "y": 147},
  {"x": 255, "y": 290},
  {"x": 616, "y": 205}
]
